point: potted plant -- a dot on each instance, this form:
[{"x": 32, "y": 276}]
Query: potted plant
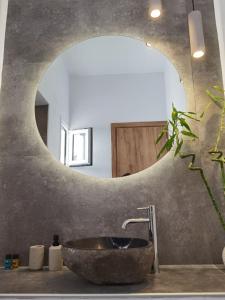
[{"x": 179, "y": 131}]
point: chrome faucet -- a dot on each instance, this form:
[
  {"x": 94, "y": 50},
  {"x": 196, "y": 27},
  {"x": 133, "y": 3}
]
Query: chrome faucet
[
  {"x": 140, "y": 220},
  {"x": 151, "y": 221}
]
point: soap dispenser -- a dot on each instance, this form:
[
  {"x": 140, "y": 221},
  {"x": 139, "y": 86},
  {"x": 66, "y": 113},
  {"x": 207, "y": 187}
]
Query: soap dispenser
[{"x": 55, "y": 255}]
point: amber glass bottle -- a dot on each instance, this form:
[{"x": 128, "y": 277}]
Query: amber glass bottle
[{"x": 15, "y": 261}]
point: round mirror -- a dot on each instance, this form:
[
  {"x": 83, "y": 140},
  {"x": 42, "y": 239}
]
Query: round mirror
[{"x": 102, "y": 103}]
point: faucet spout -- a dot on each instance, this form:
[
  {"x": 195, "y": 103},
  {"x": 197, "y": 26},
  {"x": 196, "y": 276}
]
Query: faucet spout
[
  {"x": 130, "y": 221},
  {"x": 151, "y": 220}
]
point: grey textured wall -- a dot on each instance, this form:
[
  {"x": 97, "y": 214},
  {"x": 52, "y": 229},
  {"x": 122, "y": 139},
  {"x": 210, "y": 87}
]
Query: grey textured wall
[{"x": 39, "y": 196}]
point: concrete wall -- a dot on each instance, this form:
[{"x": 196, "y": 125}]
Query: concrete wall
[
  {"x": 3, "y": 17},
  {"x": 98, "y": 101},
  {"x": 54, "y": 86},
  {"x": 220, "y": 23},
  {"x": 40, "y": 197}
]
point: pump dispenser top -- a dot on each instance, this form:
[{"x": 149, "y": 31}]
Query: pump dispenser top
[{"x": 55, "y": 240}]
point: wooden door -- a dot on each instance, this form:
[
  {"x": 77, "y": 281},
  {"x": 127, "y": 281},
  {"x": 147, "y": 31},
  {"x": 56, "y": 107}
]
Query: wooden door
[{"x": 133, "y": 146}]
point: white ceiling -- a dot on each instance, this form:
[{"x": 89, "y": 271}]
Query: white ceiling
[
  {"x": 40, "y": 100},
  {"x": 113, "y": 55}
]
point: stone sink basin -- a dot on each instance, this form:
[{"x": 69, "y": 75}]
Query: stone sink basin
[{"x": 109, "y": 260}]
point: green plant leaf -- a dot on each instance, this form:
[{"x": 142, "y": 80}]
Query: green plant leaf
[
  {"x": 167, "y": 146},
  {"x": 191, "y": 113},
  {"x": 172, "y": 124},
  {"x": 174, "y": 115},
  {"x": 184, "y": 124},
  {"x": 216, "y": 99},
  {"x": 169, "y": 143},
  {"x": 161, "y": 151},
  {"x": 173, "y": 107},
  {"x": 190, "y": 117},
  {"x": 160, "y": 136},
  {"x": 218, "y": 88},
  {"x": 202, "y": 114},
  {"x": 178, "y": 147},
  {"x": 189, "y": 133}
]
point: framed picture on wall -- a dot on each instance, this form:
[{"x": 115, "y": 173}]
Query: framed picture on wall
[
  {"x": 63, "y": 144},
  {"x": 80, "y": 147}
]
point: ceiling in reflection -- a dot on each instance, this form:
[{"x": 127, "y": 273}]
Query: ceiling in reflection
[{"x": 113, "y": 55}]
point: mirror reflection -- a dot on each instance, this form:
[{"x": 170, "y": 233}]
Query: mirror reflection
[{"x": 102, "y": 103}]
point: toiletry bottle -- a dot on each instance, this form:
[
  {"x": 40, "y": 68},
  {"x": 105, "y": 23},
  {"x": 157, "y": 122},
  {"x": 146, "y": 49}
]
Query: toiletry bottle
[
  {"x": 15, "y": 261},
  {"x": 55, "y": 255},
  {"x": 8, "y": 262}
]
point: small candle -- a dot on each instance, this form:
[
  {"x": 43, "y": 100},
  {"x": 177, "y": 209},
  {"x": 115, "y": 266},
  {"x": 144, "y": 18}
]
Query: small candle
[{"x": 36, "y": 257}]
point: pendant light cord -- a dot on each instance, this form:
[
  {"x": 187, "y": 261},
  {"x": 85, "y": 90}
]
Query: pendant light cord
[{"x": 193, "y": 4}]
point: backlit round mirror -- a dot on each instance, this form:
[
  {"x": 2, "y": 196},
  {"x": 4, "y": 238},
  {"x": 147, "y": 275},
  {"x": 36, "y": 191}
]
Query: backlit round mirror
[{"x": 102, "y": 103}]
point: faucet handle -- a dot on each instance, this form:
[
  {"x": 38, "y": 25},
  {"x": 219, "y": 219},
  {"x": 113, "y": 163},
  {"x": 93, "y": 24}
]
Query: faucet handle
[{"x": 143, "y": 208}]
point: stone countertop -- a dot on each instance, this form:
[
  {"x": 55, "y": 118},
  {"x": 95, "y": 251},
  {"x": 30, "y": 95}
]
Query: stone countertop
[{"x": 170, "y": 280}]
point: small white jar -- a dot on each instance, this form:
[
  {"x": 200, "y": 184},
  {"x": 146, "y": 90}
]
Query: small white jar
[{"x": 36, "y": 257}]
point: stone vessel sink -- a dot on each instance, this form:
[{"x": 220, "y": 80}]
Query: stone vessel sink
[{"x": 109, "y": 260}]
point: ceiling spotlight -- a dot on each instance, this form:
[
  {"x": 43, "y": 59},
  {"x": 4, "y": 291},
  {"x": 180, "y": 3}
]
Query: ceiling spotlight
[
  {"x": 148, "y": 44},
  {"x": 155, "y": 8},
  {"x": 198, "y": 54},
  {"x": 196, "y": 33}
]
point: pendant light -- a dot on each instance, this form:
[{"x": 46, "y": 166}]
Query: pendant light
[
  {"x": 197, "y": 41},
  {"x": 155, "y": 8}
]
